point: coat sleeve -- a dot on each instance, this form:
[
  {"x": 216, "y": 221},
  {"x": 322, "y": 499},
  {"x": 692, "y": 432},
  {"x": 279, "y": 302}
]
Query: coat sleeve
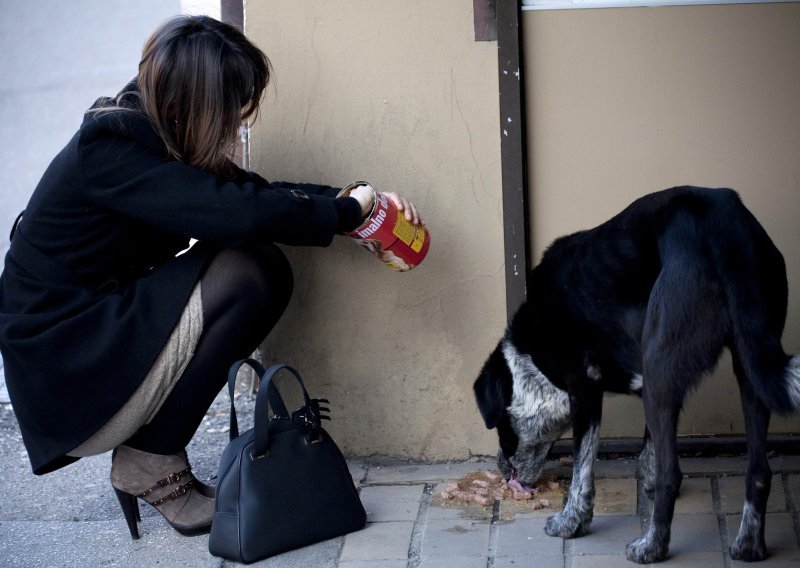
[{"x": 133, "y": 178}]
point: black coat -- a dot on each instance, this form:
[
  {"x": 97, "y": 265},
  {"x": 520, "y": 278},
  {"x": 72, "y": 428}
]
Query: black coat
[{"x": 92, "y": 288}]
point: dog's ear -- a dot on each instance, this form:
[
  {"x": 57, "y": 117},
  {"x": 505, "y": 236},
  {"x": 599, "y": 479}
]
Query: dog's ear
[{"x": 493, "y": 389}]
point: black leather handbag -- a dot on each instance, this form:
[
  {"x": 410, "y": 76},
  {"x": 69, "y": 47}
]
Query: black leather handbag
[{"x": 282, "y": 484}]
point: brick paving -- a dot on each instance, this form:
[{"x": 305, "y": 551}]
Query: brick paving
[{"x": 71, "y": 518}]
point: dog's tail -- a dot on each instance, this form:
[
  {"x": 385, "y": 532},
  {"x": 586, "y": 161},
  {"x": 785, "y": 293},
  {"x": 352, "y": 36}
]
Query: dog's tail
[
  {"x": 756, "y": 290},
  {"x": 774, "y": 376}
]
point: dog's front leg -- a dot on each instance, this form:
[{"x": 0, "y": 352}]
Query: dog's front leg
[
  {"x": 576, "y": 517},
  {"x": 646, "y": 470}
]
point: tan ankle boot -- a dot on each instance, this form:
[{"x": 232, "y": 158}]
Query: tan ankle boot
[{"x": 166, "y": 483}]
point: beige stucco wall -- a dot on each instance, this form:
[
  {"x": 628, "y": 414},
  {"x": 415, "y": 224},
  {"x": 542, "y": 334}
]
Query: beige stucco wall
[
  {"x": 398, "y": 93},
  {"x": 622, "y": 102}
]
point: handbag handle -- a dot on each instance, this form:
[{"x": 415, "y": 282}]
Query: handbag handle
[
  {"x": 275, "y": 400},
  {"x": 268, "y": 395}
]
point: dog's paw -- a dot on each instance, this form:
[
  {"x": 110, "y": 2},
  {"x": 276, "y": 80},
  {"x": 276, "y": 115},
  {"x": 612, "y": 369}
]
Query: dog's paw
[
  {"x": 748, "y": 551},
  {"x": 566, "y": 526},
  {"x": 644, "y": 551}
]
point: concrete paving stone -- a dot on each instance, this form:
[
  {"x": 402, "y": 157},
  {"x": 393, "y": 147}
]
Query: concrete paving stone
[
  {"x": 38, "y": 544},
  {"x": 608, "y": 535},
  {"x": 541, "y": 561},
  {"x": 623, "y": 467},
  {"x": 422, "y": 473},
  {"x": 371, "y": 564},
  {"x": 777, "y": 464},
  {"x": 378, "y": 541},
  {"x": 526, "y": 538},
  {"x": 695, "y": 497},
  {"x": 601, "y": 560},
  {"x": 732, "y": 493},
  {"x": 446, "y": 539},
  {"x": 776, "y": 559},
  {"x": 695, "y": 560},
  {"x": 615, "y": 497},
  {"x": 695, "y": 533},
  {"x": 392, "y": 502},
  {"x": 793, "y": 487},
  {"x": 788, "y": 463},
  {"x": 735, "y": 465},
  {"x": 320, "y": 555},
  {"x": 779, "y": 531},
  {"x": 358, "y": 471},
  {"x": 454, "y": 561}
]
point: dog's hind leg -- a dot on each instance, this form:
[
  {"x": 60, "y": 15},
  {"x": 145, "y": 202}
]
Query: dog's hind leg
[
  {"x": 662, "y": 423},
  {"x": 576, "y": 517},
  {"x": 749, "y": 545}
]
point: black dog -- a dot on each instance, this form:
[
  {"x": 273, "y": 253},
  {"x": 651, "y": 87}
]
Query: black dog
[{"x": 644, "y": 304}]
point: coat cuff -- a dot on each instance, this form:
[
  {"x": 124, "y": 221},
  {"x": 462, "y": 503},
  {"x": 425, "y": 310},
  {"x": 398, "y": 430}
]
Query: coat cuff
[{"x": 349, "y": 211}]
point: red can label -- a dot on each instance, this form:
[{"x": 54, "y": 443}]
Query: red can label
[{"x": 388, "y": 235}]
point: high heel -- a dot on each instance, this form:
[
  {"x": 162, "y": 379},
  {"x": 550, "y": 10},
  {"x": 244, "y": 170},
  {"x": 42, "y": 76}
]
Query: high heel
[
  {"x": 166, "y": 483},
  {"x": 130, "y": 508}
]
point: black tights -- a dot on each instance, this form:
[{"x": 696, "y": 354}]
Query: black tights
[{"x": 244, "y": 294}]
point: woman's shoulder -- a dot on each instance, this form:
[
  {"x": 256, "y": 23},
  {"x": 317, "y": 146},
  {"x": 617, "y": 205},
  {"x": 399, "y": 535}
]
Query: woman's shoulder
[{"x": 119, "y": 118}]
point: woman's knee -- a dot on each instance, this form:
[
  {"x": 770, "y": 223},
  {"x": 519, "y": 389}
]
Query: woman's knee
[{"x": 253, "y": 281}]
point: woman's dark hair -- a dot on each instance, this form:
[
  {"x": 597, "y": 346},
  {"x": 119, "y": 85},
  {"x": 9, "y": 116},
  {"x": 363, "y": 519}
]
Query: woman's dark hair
[{"x": 198, "y": 80}]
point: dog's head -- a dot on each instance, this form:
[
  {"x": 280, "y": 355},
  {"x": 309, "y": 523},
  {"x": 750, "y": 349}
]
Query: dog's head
[{"x": 529, "y": 412}]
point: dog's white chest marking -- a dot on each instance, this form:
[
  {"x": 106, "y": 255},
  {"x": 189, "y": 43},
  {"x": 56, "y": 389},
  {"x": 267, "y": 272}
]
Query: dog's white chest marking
[{"x": 539, "y": 408}]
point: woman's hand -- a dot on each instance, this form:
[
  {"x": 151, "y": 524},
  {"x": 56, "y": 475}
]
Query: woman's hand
[
  {"x": 365, "y": 195},
  {"x": 410, "y": 209}
]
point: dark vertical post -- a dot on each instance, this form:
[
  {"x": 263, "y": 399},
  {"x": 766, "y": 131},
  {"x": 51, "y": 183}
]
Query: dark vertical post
[
  {"x": 513, "y": 153},
  {"x": 232, "y": 12},
  {"x": 485, "y": 20}
]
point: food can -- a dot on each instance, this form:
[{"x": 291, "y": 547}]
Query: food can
[{"x": 388, "y": 235}]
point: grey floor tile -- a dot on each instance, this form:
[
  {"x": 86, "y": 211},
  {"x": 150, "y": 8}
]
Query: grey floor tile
[
  {"x": 687, "y": 560},
  {"x": 736, "y": 465},
  {"x": 776, "y": 559},
  {"x": 793, "y": 487},
  {"x": 320, "y": 555},
  {"x": 445, "y": 539},
  {"x": 601, "y": 561},
  {"x": 454, "y": 562},
  {"x": 695, "y": 497},
  {"x": 608, "y": 535},
  {"x": 618, "y": 468},
  {"x": 789, "y": 463},
  {"x": 695, "y": 533},
  {"x": 392, "y": 502},
  {"x": 378, "y": 541},
  {"x": 682, "y": 559},
  {"x": 371, "y": 564},
  {"x": 615, "y": 497},
  {"x": 539, "y": 561},
  {"x": 732, "y": 493},
  {"x": 779, "y": 532},
  {"x": 526, "y": 538}
]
